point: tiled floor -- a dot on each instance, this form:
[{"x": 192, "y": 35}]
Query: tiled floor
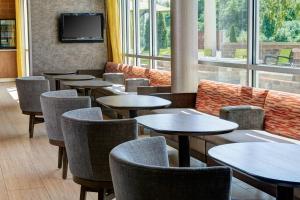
[{"x": 28, "y": 166}]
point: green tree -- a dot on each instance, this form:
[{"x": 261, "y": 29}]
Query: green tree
[
  {"x": 147, "y": 35},
  {"x": 232, "y": 35},
  {"x": 162, "y": 34}
]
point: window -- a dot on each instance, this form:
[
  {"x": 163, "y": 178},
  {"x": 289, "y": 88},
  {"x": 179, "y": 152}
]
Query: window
[
  {"x": 222, "y": 30},
  {"x": 250, "y": 42},
  {"x": 279, "y": 33},
  {"x": 146, "y": 28}
]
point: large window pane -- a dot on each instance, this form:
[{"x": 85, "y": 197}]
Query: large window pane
[
  {"x": 145, "y": 27},
  {"x": 279, "y": 32},
  {"x": 163, "y": 28},
  {"x": 279, "y": 81},
  {"x": 222, "y": 30},
  {"x": 131, "y": 26},
  {"x": 222, "y": 74},
  {"x": 163, "y": 65}
]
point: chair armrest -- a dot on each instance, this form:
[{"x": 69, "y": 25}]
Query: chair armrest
[
  {"x": 94, "y": 72},
  {"x": 179, "y": 100},
  {"x": 132, "y": 84},
  {"x": 247, "y": 117},
  {"x": 117, "y": 78},
  {"x": 147, "y": 90}
]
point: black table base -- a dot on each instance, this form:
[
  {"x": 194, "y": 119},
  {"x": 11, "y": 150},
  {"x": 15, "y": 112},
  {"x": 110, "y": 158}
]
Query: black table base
[
  {"x": 285, "y": 193},
  {"x": 133, "y": 113},
  {"x": 184, "y": 151}
]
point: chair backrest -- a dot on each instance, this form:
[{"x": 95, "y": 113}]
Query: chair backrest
[
  {"x": 29, "y": 92},
  {"x": 89, "y": 140},
  {"x": 117, "y": 78},
  {"x": 284, "y": 56},
  {"x": 54, "y": 104},
  {"x": 140, "y": 171},
  {"x": 132, "y": 84}
]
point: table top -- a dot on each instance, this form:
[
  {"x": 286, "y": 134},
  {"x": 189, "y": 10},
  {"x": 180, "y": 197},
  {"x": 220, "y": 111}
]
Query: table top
[
  {"x": 276, "y": 163},
  {"x": 95, "y": 83},
  {"x": 133, "y": 102},
  {"x": 74, "y": 77},
  {"x": 59, "y": 73},
  {"x": 186, "y": 124}
]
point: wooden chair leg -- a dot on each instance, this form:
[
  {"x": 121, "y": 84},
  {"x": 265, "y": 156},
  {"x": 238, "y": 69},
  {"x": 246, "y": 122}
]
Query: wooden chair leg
[
  {"x": 60, "y": 157},
  {"x": 101, "y": 194},
  {"x": 82, "y": 193},
  {"x": 65, "y": 164},
  {"x": 31, "y": 125}
]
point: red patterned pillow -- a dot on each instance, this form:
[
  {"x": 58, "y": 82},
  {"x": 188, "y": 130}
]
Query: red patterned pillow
[
  {"x": 283, "y": 114},
  {"x": 252, "y": 96},
  {"x": 136, "y": 72},
  {"x": 212, "y": 96},
  {"x": 160, "y": 78}
]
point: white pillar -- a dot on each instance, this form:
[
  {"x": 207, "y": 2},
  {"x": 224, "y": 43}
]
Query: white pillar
[
  {"x": 184, "y": 45},
  {"x": 210, "y": 26}
]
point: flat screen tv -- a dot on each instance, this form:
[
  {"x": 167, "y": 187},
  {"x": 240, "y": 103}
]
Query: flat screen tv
[{"x": 81, "y": 27}]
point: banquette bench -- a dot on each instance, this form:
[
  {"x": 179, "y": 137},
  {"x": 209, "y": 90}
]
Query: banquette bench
[{"x": 262, "y": 115}]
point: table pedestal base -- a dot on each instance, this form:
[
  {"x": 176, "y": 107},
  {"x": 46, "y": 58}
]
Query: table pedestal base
[
  {"x": 133, "y": 113},
  {"x": 285, "y": 193},
  {"x": 184, "y": 151}
]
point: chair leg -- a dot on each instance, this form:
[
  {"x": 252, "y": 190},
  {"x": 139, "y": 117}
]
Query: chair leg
[
  {"x": 101, "y": 194},
  {"x": 60, "y": 156},
  {"x": 65, "y": 164},
  {"x": 31, "y": 125},
  {"x": 82, "y": 193}
]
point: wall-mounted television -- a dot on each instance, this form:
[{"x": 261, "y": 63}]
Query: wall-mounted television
[{"x": 81, "y": 27}]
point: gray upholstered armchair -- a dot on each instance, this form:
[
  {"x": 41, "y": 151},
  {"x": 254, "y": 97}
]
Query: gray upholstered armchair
[
  {"x": 29, "y": 91},
  {"x": 140, "y": 171},
  {"x": 116, "y": 78},
  {"x": 54, "y": 104},
  {"x": 89, "y": 140}
]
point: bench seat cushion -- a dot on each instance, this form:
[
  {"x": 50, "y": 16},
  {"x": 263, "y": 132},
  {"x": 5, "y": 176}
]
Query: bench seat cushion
[{"x": 239, "y": 136}]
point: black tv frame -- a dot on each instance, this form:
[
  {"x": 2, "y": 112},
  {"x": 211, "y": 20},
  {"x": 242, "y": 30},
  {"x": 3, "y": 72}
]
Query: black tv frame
[{"x": 80, "y": 40}]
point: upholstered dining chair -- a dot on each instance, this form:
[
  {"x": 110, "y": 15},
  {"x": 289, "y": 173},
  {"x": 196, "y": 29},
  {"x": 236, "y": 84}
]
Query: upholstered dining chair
[
  {"x": 29, "y": 90},
  {"x": 89, "y": 140},
  {"x": 54, "y": 104},
  {"x": 140, "y": 171}
]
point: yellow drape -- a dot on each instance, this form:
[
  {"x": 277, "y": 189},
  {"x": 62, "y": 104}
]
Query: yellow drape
[
  {"x": 114, "y": 46},
  {"x": 19, "y": 37}
]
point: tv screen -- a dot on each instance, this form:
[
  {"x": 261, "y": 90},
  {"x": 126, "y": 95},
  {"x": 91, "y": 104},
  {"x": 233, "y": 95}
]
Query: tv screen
[{"x": 82, "y": 27}]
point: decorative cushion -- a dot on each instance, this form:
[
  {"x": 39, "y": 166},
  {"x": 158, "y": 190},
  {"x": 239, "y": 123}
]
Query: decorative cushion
[
  {"x": 135, "y": 72},
  {"x": 282, "y": 112},
  {"x": 160, "y": 78},
  {"x": 212, "y": 96},
  {"x": 252, "y": 96},
  {"x": 112, "y": 67}
]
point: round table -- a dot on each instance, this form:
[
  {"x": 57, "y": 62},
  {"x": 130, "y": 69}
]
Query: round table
[
  {"x": 87, "y": 85},
  {"x": 185, "y": 125},
  {"x": 133, "y": 103},
  {"x": 71, "y": 77},
  {"x": 49, "y": 75},
  {"x": 55, "y": 73},
  {"x": 275, "y": 163}
]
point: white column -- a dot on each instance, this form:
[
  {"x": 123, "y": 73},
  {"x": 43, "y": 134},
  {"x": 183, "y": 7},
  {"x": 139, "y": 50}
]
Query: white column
[
  {"x": 210, "y": 26},
  {"x": 184, "y": 45}
]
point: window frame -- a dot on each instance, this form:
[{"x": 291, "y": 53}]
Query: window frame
[{"x": 251, "y": 66}]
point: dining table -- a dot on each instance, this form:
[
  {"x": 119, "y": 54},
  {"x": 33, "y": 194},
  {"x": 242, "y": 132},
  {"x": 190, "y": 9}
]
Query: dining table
[
  {"x": 184, "y": 126},
  {"x": 71, "y": 77},
  {"x": 87, "y": 85},
  {"x": 133, "y": 103},
  {"x": 270, "y": 162}
]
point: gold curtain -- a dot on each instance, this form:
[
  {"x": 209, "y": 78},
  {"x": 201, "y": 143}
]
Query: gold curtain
[
  {"x": 19, "y": 38},
  {"x": 114, "y": 47}
]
